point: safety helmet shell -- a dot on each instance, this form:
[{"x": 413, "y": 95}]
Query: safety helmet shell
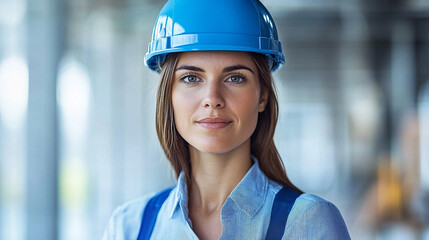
[{"x": 214, "y": 25}]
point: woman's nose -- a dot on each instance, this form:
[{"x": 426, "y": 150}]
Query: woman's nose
[{"x": 213, "y": 96}]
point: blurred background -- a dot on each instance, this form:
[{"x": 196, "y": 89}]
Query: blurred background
[{"x": 77, "y": 109}]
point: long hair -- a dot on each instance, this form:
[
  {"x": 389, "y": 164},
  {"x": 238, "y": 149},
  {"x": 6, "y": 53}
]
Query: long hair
[{"x": 262, "y": 140}]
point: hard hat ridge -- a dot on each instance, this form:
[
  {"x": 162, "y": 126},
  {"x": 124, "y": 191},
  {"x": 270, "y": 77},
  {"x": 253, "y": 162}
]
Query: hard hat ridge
[{"x": 207, "y": 25}]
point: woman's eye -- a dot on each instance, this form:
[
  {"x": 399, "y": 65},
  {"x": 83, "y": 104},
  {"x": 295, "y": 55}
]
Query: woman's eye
[
  {"x": 236, "y": 79},
  {"x": 190, "y": 79}
]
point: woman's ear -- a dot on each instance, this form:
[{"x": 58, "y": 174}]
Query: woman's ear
[{"x": 263, "y": 99}]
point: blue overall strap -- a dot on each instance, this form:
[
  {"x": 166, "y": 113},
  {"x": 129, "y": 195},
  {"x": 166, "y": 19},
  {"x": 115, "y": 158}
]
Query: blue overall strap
[
  {"x": 150, "y": 214},
  {"x": 282, "y": 205}
]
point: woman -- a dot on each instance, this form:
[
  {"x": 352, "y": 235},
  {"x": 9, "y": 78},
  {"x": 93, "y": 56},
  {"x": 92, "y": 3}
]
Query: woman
[{"x": 216, "y": 115}]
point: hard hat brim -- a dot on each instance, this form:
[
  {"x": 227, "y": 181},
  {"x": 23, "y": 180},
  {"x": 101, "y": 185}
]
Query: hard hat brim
[{"x": 158, "y": 49}]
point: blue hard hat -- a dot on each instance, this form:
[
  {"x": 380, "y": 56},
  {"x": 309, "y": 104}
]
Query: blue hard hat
[{"x": 214, "y": 25}]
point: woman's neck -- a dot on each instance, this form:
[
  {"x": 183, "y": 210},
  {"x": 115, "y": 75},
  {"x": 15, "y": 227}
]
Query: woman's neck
[{"x": 214, "y": 176}]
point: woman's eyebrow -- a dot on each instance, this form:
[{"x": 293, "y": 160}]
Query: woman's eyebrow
[
  {"x": 236, "y": 67},
  {"x": 227, "y": 69},
  {"x": 189, "y": 67}
]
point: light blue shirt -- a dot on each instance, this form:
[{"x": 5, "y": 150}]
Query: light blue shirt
[{"x": 245, "y": 214}]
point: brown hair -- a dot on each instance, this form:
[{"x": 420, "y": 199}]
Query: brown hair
[{"x": 262, "y": 140}]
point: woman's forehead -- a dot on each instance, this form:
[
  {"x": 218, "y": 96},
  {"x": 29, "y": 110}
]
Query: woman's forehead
[{"x": 215, "y": 58}]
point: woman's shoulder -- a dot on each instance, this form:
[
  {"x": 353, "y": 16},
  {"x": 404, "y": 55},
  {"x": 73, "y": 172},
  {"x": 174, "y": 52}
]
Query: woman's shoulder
[
  {"x": 316, "y": 218},
  {"x": 126, "y": 218},
  {"x": 132, "y": 207},
  {"x": 311, "y": 200},
  {"x": 307, "y": 203}
]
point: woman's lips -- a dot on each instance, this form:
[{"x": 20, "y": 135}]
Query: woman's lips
[{"x": 214, "y": 123}]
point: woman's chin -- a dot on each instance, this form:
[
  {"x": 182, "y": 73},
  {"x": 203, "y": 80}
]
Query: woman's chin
[
  {"x": 213, "y": 149},
  {"x": 212, "y": 146},
  {"x": 216, "y": 146}
]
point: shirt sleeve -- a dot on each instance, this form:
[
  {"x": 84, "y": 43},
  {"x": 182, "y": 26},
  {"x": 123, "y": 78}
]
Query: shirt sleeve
[
  {"x": 125, "y": 221},
  {"x": 316, "y": 220},
  {"x": 110, "y": 231}
]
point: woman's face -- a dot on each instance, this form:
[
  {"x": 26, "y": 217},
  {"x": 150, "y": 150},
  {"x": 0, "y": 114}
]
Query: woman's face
[{"x": 216, "y": 99}]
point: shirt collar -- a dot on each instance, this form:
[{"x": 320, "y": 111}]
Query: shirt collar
[
  {"x": 249, "y": 195},
  {"x": 180, "y": 201}
]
